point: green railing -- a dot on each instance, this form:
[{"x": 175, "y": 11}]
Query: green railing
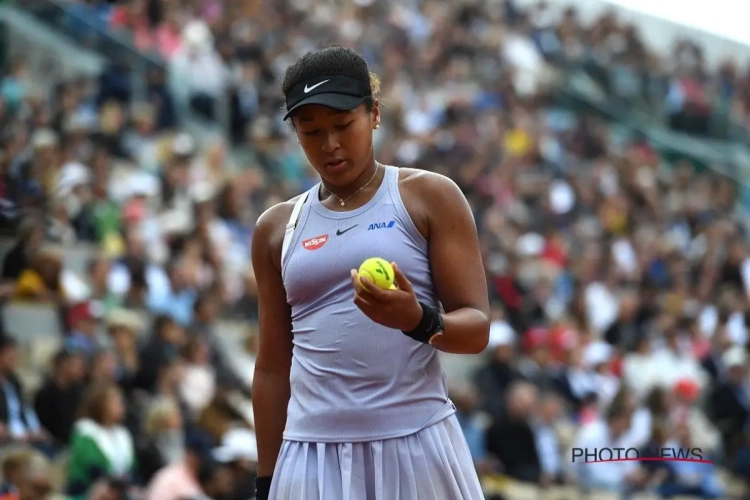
[
  {"x": 639, "y": 112},
  {"x": 644, "y": 92}
]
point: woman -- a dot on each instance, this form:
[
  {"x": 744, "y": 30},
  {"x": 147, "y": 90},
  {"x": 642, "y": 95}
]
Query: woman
[
  {"x": 100, "y": 447},
  {"x": 198, "y": 385},
  {"x": 163, "y": 440},
  {"x": 366, "y": 407}
]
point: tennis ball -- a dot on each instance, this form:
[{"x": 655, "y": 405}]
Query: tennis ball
[{"x": 379, "y": 271}]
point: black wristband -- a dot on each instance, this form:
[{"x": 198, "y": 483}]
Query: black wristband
[
  {"x": 262, "y": 487},
  {"x": 430, "y": 324}
]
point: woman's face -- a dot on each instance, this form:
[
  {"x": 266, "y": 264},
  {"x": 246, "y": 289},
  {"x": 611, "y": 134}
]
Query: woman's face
[
  {"x": 200, "y": 354},
  {"x": 105, "y": 367},
  {"x": 124, "y": 339},
  {"x": 100, "y": 272},
  {"x": 337, "y": 143},
  {"x": 115, "y": 411},
  {"x": 172, "y": 333},
  {"x": 35, "y": 240},
  {"x": 172, "y": 421}
]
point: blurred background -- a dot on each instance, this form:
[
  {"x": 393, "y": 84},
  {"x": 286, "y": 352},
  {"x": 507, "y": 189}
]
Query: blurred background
[{"x": 604, "y": 152}]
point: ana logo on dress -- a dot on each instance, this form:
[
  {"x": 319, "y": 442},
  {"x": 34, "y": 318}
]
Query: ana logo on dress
[{"x": 315, "y": 243}]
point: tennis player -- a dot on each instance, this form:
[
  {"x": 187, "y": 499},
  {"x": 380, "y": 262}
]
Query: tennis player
[{"x": 349, "y": 395}]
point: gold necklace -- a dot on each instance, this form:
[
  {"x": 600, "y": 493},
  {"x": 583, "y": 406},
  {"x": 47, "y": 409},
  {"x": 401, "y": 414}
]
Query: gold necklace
[{"x": 344, "y": 200}]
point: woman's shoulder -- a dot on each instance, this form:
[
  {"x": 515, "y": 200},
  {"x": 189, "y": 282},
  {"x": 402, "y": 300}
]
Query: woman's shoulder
[
  {"x": 427, "y": 183},
  {"x": 278, "y": 214},
  {"x": 271, "y": 224},
  {"x": 88, "y": 429}
]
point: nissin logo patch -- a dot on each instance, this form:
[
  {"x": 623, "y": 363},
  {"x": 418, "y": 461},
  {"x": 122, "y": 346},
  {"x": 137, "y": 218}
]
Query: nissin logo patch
[
  {"x": 381, "y": 225},
  {"x": 315, "y": 243}
]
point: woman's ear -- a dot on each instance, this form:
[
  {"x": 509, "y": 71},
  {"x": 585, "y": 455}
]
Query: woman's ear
[{"x": 375, "y": 114}]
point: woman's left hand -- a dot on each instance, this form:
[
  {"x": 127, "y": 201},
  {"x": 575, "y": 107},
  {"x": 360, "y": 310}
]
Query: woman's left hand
[{"x": 397, "y": 308}]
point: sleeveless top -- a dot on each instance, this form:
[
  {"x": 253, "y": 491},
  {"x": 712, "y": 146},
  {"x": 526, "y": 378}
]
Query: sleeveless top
[{"x": 351, "y": 378}]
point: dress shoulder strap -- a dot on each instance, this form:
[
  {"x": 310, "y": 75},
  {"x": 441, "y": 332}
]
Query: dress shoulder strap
[{"x": 292, "y": 224}]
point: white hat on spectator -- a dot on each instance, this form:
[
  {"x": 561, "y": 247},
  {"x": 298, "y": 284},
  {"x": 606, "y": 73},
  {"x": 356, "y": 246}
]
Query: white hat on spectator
[
  {"x": 142, "y": 184},
  {"x": 529, "y": 245},
  {"x": 197, "y": 35},
  {"x": 501, "y": 334},
  {"x": 735, "y": 356},
  {"x": 123, "y": 318},
  {"x": 202, "y": 192},
  {"x": 43, "y": 138},
  {"x": 597, "y": 353},
  {"x": 562, "y": 198},
  {"x": 183, "y": 145},
  {"x": 72, "y": 175},
  {"x": 237, "y": 444}
]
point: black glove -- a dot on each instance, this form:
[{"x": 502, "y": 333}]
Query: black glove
[{"x": 262, "y": 487}]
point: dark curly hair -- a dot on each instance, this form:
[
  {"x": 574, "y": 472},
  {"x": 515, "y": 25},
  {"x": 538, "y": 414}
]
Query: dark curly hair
[{"x": 333, "y": 60}]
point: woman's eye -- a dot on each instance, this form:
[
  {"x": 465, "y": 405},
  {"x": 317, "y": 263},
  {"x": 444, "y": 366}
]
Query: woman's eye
[
  {"x": 344, "y": 126},
  {"x": 311, "y": 133}
]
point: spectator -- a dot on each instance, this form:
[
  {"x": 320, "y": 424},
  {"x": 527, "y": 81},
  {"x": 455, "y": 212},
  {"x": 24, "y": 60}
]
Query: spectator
[
  {"x": 511, "y": 438},
  {"x": 204, "y": 317},
  {"x": 684, "y": 411},
  {"x": 163, "y": 440},
  {"x": 198, "y": 385},
  {"x": 493, "y": 379},
  {"x": 42, "y": 280},
  {"x": 216, "y": 481},
  {"x": 239, "y": 451},
  {"x": 180, "y": 480},
  {"x": 177, "y": 299},
  {"x": 577, "y": 381},
  {"x": 123, "y": 329},
  {"x": 100, "y": 447},
  {"x": 19, "y": 258},
  {"x": 57, "y": 402},
  {"x": 198, "y": 73},
  {"x": 103, "y": 367},
  {"x": 13, "y": 465},
  {"x": 163, "y": 347},
  {"x": 730, "y": 404},
  {"x": 473, "y": 424},
  {"x": 689, "y": 478},
  {"x": 549, "y": 450},
  {"x": 18, "y": 422},
  {"x": 83, "y": 329},
  {"x": 37, "y": 482},
  {"x": 611, "y": 433}
]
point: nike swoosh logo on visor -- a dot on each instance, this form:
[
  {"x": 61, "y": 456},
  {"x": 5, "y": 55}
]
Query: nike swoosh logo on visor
[{"x": 313, "y": 87}]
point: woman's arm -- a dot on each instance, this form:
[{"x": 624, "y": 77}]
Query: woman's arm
[
  {"x": 443, "y": 217},
  {"x": 271, "y": 389},
  {"x": 456, "y": 264}
]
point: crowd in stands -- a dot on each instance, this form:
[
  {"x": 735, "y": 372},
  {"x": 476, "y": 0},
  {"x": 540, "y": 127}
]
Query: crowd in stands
[{"x": 619, "y": 282}]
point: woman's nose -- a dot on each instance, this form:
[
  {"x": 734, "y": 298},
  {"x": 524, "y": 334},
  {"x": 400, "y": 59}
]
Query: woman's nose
[{"x": 331, "y": 143}]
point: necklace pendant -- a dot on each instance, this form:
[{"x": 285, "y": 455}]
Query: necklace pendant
[{"x": 342, "y": 203}]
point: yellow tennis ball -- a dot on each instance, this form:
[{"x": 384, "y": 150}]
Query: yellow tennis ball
[{"x": 379, "y": 271}]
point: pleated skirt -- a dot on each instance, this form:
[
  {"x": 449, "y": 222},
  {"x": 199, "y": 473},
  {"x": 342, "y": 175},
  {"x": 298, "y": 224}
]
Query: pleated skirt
[{"x": 433, "y": 464}]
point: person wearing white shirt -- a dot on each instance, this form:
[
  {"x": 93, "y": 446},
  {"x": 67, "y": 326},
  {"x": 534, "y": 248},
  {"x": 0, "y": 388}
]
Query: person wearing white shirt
[{"x": 612, "y": 433}]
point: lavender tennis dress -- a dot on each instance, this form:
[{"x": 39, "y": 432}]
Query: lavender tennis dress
[{"x": 369, "y": 416}]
